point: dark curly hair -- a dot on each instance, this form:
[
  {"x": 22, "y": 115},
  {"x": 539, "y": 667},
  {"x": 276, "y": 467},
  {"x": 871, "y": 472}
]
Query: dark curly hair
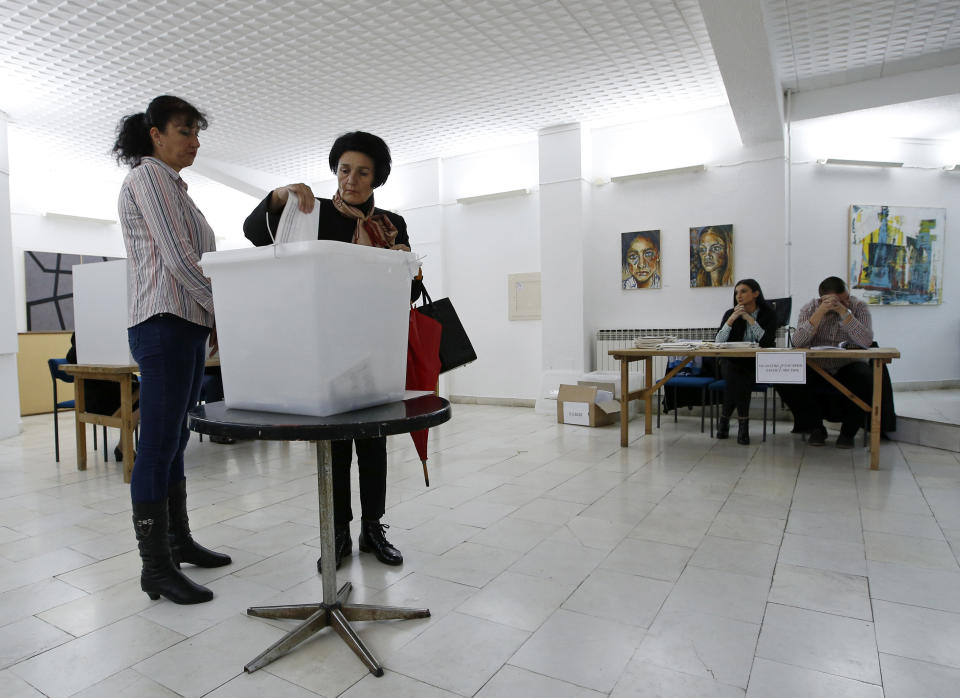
[
  {"x": 368, "y": 144},
  {"x": 133, "y": 132}
]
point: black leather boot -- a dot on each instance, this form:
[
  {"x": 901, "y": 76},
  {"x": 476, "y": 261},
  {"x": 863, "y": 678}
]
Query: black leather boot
[
  {"x": 342, "y": 545},
  {"x": 159, "y": 577},
  {"x": 723, "y": 427},
  {"x": 183, "y": 548},
  {"x": 743, "y": 432},
  {"x": 372, "y": 540}
]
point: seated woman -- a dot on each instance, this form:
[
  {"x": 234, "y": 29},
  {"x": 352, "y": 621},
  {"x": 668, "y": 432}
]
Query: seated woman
[{"x": 751, "y": 319}]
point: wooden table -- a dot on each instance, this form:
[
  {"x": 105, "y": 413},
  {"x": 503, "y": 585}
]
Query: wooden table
[
  {"x": 400, "y": 417},
  {"x": 877, "y": 357},
  {"x": 125, "y": 418}
]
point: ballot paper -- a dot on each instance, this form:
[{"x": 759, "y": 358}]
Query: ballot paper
[{"x": 295, "y": 225}]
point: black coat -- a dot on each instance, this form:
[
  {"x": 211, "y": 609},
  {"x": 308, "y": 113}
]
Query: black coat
[{"x": 333, "y": 224}]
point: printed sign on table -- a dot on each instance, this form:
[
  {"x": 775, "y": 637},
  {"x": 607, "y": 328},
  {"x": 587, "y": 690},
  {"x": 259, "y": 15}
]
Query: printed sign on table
[{"x": 781, "y": 367}]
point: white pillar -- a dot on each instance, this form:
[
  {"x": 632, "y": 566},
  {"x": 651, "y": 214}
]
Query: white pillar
[
  {"x": 564, "y": 197},
  {"x": 9, "y": 388}
]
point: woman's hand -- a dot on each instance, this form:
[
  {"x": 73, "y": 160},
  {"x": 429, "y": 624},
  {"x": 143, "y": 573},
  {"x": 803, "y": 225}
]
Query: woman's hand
[
  {"x": 279, "y": 196},
  {"x": 738, "y": 312},
  {"x": 402, "y": 248}
]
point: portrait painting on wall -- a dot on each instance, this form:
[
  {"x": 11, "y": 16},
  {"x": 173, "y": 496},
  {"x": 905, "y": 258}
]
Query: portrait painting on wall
[
  {"x": 896, "y": 254},
  {"x": 711, "y": 256},
  {"x": 640, "y": 259}
]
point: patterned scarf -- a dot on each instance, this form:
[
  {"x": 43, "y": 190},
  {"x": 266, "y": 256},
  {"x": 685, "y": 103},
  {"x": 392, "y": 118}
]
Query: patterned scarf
[{"x": 372, "y": 230}]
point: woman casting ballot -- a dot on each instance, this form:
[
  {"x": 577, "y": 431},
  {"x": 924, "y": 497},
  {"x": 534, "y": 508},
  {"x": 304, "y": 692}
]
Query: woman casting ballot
[
  {"x": 361, "y": 162},
  {"x": 751, "y": 319}
]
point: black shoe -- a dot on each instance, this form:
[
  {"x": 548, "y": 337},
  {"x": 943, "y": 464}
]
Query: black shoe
[
  {"x": 723, "y": 427},
  {"x": 818, "y": 437},
  {"x": 844, "y": 441},
  {"x": 372, "y": 540},
  {"x": 223, "y": 440},
  {"x": 159, "y": 577},
  {"x": 743, "y": 432},
  {"x": 183, "y": 548},
  {"x": 118, "y": 454},
  {"x": 342, "y": 545}
]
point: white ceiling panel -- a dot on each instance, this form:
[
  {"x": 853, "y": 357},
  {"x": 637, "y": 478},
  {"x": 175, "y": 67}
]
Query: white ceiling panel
[{"x": 280, "y": 79}]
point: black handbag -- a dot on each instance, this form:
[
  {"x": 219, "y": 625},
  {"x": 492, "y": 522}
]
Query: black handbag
[{"x": 455, "y": 347}]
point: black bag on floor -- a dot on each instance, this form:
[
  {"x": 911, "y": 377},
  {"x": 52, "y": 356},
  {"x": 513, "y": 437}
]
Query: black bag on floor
[{"x": 455, "y": 347}]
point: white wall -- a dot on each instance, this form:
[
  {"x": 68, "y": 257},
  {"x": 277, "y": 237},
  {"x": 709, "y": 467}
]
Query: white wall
[
  {"x": 9, "y": 392},
  {"x": 483, "y": 243},
  {"x": 741, "y": 186},
  {"x": 927, "y": 336}
]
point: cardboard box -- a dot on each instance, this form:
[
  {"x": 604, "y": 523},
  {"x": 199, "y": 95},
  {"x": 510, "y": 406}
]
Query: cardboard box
[{"x": 577, "y": 404}]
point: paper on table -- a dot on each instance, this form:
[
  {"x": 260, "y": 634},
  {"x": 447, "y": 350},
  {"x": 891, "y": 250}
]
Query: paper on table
[{"x": 296, "y": 226}]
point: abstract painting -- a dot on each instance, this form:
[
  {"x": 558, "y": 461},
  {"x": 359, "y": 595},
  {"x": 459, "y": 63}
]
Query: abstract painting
[
  {"x": 640, "y": 259},
  {"x": 49, "y": 288},
  {"x": 896, "y": 254},
  {"x": 711, "y": 256}
]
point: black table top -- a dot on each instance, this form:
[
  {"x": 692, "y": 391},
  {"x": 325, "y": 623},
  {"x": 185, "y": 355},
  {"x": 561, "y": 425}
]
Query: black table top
[{"x": 392, "y": 418}]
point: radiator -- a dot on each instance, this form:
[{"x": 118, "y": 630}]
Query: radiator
[{"x": 623, "y": 339}]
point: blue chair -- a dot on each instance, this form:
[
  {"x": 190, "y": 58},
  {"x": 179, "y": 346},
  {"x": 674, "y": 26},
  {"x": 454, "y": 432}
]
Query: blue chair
[
  {"x": 719, "y": 387},
  {"x": 689, "y": 379},
  {"x": 56, "y": 373}
]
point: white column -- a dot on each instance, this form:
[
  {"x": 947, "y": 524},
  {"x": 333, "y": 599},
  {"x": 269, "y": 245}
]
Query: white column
[
  {"x": 9, "y": 388},
  {"x": 564, "y": 196}
]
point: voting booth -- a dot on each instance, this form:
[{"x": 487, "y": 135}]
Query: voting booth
[
  {"x": 100, "y": 313},
  {"x": 315, "y": 327}
]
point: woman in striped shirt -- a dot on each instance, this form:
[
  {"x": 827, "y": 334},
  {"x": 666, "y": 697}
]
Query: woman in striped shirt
[{"x": 170, "y": 316}]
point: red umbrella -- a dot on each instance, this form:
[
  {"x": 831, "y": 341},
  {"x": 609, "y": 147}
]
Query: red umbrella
[{"x": 423, "y": 369}]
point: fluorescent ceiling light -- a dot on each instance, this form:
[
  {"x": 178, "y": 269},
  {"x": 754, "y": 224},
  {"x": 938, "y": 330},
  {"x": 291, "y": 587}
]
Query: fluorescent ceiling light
[
  {"x": 495, "y": 195},
  {"x": 659, "y": 173},
  {"x": 861, "y": 163}
]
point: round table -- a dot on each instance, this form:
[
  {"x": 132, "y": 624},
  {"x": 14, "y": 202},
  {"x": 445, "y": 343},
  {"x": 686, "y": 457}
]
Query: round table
[{"x": 399, "y": 417}]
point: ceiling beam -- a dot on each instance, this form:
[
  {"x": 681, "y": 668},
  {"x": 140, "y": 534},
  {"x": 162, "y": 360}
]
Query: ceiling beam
[
  {"x": 878, "y": 92},
  {"x": 740, "y": 43},
  {"x": 244, "y": 179}
]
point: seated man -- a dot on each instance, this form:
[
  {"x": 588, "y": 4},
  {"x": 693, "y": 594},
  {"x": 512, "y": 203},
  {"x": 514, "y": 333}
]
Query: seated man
[{"x": 828, "y": 320}]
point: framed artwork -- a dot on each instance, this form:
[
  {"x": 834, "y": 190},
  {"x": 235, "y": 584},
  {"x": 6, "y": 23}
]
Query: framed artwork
[
  {"x": 640, "y": 259},
  {"x": 896, "y": 254},
  {"x": 48, "y": 277},
  {"x": 711, "y": 256}
]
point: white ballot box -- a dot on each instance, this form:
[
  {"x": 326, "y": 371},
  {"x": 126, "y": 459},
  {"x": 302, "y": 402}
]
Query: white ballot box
[
  {"x": 315, "y": 328},
  {"x": 100, "y": 313}
]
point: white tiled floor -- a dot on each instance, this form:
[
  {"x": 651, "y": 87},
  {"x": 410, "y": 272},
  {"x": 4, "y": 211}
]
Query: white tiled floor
[{"x": 555, "y": 564}]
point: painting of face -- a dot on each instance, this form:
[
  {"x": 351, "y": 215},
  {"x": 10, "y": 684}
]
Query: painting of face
[
  {"x": 711, "y": 256},
  {"x": 640, "y": 262}
]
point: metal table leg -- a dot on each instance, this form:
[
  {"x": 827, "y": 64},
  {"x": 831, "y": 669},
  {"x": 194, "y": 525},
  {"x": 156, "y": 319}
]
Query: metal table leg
[{"x": 333, "y": 611}]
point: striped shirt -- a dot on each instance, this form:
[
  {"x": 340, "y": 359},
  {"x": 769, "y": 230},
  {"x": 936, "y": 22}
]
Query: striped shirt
[
  {"x": 165, "y": 234},
  {"x": 832, "y": 330}
]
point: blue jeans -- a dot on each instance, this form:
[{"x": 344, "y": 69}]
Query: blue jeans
[{"x": 170, "y": 352}]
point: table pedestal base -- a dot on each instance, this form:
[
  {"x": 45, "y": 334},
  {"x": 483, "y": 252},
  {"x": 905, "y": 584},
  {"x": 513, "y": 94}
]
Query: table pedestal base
[{"x": 317, "y": 616}]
